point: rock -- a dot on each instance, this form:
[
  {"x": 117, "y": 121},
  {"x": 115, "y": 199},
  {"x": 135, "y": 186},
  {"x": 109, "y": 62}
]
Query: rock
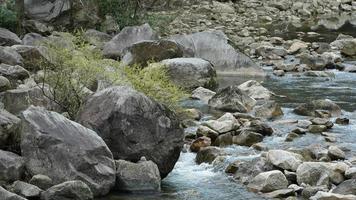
[
  {"x": 224, "y": 140},
  {"x": 32, "y": 56},
  {"x": 255, "y": 90},
  {"x": 110, "y": 25},
  {"x": 208, "y": 154},
  {"x": 297, "y": 46},
  {"x": 268, "y": 182},
  {"x": 283, "y": 193},
  {"x": 291, "y": 136},
  {"x": 299, "y": 131},
  {"x": 74, "y": 151},
  {"x": 141, "y": 53},
  {"x": 342, "y": 121},
  {"x": 193, "y": 114},
  {"x": 133, "y": 125},
  {"x": 232, "y": 167},
  {"x": 319, "y": 74},
  {"x": 284, "y": 159},
  {"x": 8, "y": 38},
  {"x": 259, "y": 127},
  {"x": 41, "y": 181},
  {"x": 191, "y": 73},
  {"x": 346, "y": 187},
  {"x": 308, "y": 109},
  {"x": 332, "y": 196},
  {"x": 138, "y": 177},
  {"x": 303, "y": 124},
  {"x": 9, "y": 56},
  {"x": 322, "y": 121},
  {"x": 291, "y": 176},
  {"x": 351, "y": 173},
  {"x": 268, "y": 110},
  {"x": 76, "y": 190},
  {"x": 9, "y": 129},
  {"x": 232, "y": 99},
  {"x": 317, "y": 128},
  {"x": 315, "y": 62},
  {"x": 279, "y": 72},
  {"x": 32, "y": 39},
  {"x": 14, "y": 73},
  {"x": 12, "y": 167},
  {"x": 224, "y": 124},
  {"x": 127, "y": 37},
  {"x": 247, "y": 138},
  {"x": 6, "y": 195},
  {"x": 203, "y": 94},
  {"x": 207, "y": 132},
  {"x": 37, "y": 27},
  {"x": 310, "y": 191},
  {"x": 335, "y": 153},
  {"x": 200, "y": 143},
  {"x": 97, "y": 38},
  {"x": 349, "y": 48},
  {"x": 213, "y": 46},
  {"x": 271, "y": 52},
  {"x": 4, "y": 84},
  {"x": 25, "y": 190}
]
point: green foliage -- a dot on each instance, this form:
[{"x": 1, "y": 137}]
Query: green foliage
[
  {"x": 160, "y": 21},
  {"x": 154, "y": 82},
  {"x": 8, "y": 17}
]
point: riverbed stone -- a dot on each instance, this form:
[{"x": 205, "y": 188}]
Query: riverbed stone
[
  {"x": 342, "y": 121},
  {"x": 133, "y": 125},
  {"x": 8, "y": 38},
  {"x": 351, "y": 173},
  {"x": 247, "y": 138},
  {"x": 25, "y": 190},
  {"x": 268, "y": 110},
  {"x": 308, "y": 109},
  {"x": 284, "y": 159},
  {"x": 268, "y": 182},
  {"x": 77, "y": 190},
  {"x": 207, "y": 132},
  {"x": 9, "y": 129},
  {"x": 335, "y": 153},
  {"x": 200, "y": 143},
  {"x": 332, "y": 196},
  {"x": 76, "y": 153},
  {"x": 224, "y": 124},
  {"x": 349, "y": 48},
  {"x": 309, "y": 191},
  {"x": 224, "y": 140},
  {"x": 9, "y": 56},
  {"x": 203, "y": 94},
  {"x": 346, "y": 187},
  {"x": 6, "y": 195},
  {"x": 255, "y": 90},
  {"x": 12, "y": 167},
  {"x": 14, "y": 73},
  {"x": 42, "y": 181},
  {"x": 208, "y": 154},
  {"x": 4, "y": 84},
  {"x": 317, "y": 128}
]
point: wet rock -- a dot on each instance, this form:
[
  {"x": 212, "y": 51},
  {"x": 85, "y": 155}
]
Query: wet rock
[
  {"x": 193, "y": 114},
  {"x": 255, "y": 90},
  {"x": 317, "y": 128},
  {"x": 203, "y": 94},
  {"x": 304, "y": 123},
  {"x": 199, "y": 143},
  {"x": 342, "y": 121},
  {"x": 12, "y": 167},
  {"x": 208, "y": 154},
  {"x": 259, "y": 127},
  {"x": 232, "y": 167},
  {"x": 351, "y": 173},
  {"x": 97, "y": 38},
  {"x": 14, "y": 73},
  {"x": 25, "y": 190},
  {"x": 335, "y": 153},
  {"x": 315, "y": 62},
  {"x": 9, "y": 56},
  {"x": 41, "y": 181},
  {"x": 133, "y": 125},
  {"x": 284, "y": 159},
  {"x": 308, "y": 109},
  {"x": 322, "y": 121},
  {"x": 6, "y": 195},
  {"x": 268, "y": 110},
  {"x": 319, "y": 74},
  {"x": 127, "y": 37},
  {"x": 4, "y": 84},
  {"x": 270, "y": 52},
  {"x": 232, "y": 99},
  {"x": 77, "y": 190},
  {"x": 332, "y": 196},
  {"x": 224, "y": 124},
  {"x": 297, "y": 46},
  {"x": 207, "y": 132},
  {"x": 299, "y": 131},
  {"x": 247, "y": 138},
  {"x": 32, "y": 39},
  {"x": 346, "y": 187},
  {"x": 32, "y": 56},
  {"x": 141, "y": 53},
  {"x": 349, "y": 48},
  {"x": 268, "y": 182},
  {"x": 50, "y": 137},
  {"x": 191, "y": 73},
  {"x": 8, "y": 38},
  {"x": 291, "y": 136},
  {"x": 279, "y": 72},
  {"x": 138, "y": 177},
  {"x": 224, "y": 140},
  {"x": 323, "y": 114},
  {"x": 283, "y": 193},
  {"x": 9, "y": 129},
  {"x": 310, "y": 191}
]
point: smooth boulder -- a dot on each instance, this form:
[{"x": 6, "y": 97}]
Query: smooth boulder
[
  {"x": 71, "y": 190},
  {"x": 255, "y": 90},
  {"x": 25, "y": 190},
  {"x": 8, "y": 38},
  {"x": 73, "y": 151},
  {"x": 268, "y": 182},
  {"x": 12, "y": 166},
  {"x": 133, "y": 125},
  {"x": 6, "y": 195},
  {"x": 309, "y": 109},
  {"x": 9, "y": 56},
  {"x": 284, "y": 159}
]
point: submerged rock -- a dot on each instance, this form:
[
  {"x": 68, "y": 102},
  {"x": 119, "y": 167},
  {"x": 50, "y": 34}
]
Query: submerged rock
[
  {"x": 76, "y": 190},
  {"x": 268, "y": 182}
]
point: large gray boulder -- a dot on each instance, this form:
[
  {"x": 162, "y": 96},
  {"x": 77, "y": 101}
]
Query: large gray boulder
[
  {"x": 146, "y": 51},
  {"x": 284, "y": 159},
  {"x": 191, "y": 73},
  {"x": 64, "y": 150},
  {"x": 137, "y": 177},
  {"x": 268, "y": 182},
  {"x": 12, "y": 167},
  {"x": 203, "y": 94},
  {"x": 70, "y": 190},
  {"x": 255, "y": 90},
  {"x": 126, "y": 38},
  {"x": 232, "y": 99},
  {"x": 32, "y": 55},
  {"x": 9, "y": 129},
  {"x": 8, "y": 38},
  {"x": 25, "y": 190},
  {"x": 213, "y": 46},
  {"x": 14, "y": 73},
  {"x": 309, "y": 109},
  {"x": 4, "y": 84},
  {"x": 133, "y": 125},
  {"x": 9, "y": 56},
  {"x": 6, "y": 195}
]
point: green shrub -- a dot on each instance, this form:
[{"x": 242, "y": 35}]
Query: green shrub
[{"x": 8, "y": 17}]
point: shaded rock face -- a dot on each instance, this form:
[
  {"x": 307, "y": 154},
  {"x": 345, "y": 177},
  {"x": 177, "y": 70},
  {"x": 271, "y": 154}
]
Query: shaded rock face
[
  {"x": 9, "y": 129},
  {"x": 137, "y": 177},
  {"x": 12, "y": 167},
  {"x": 8, "y": 38},
  {"x": 309, "y": 109},
  {"x": 127, "y": 37},
  {"x": 10, "y": 56},
  {"x": 208, "y": 154},
  {"x": 247, "y": 138},
  {"x": 331, "y": 196},
  {"x": 26, "y": 190},
  {"x": 213, "y": 46},
  {"x": 143, "y": 52},
  {"x": 268, "y": 182},
  {"x": 232, "y": 99},
  {"x": 64, "y": 150},
  {"x": 191, "y": 73},
  {"x": 133, "y": 125},
  {"x": 6, "y": 195},
  {"x": 346, "y": 187},
  {"x": 76, "y": 190}
]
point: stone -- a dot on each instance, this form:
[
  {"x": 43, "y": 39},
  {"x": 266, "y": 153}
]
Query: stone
[
  {"x": 308, "y": 109},
  {"x": 335, "y": 153},
  {"x": 322, "y": 121},
  {"x": 192, "y": 113},
  {"x": 12, "y": 167},
  {"x": 141, "y": 53},
  {"x": 137, "y": 177},
  {"x": 349, "y": 48},
  {"x": 37, "y": 27},
  {"x": 268, "y": 182},
  {"x": 133, "y": 125},
  {"x": 283, "y": 193},
  {"x": 199, "y": 143},
  {"x": 224, "y": 124},
  {"x": 271, "y": 52},
  {"x": 260, "y": 127},
  {"x": 346, "y": 187},
  {"x": 8, "y": 38},
  {"x": 319, "y": 74},
  {"x": 203, "y": 94},
  {"x": 208, "y": 154},
  {"x": 232, "y": 99},
  {"x": 224, "y": 140},
  {"x": 4, "y": 84},
  {"x": 342, "y": 121},
  {"x": 74, "y": 151},
  {"x": 25, "y": 190},
  {"x": 351, "y": 173},
  {"x": 9, "y": 129},
  {"x": 232, "y": 167},
  {"x": 9, "y": 56},
  {"x": 315, "y": 62},
  {"x": 332, "y": 196},
  {"x": 284, "y": 159},
  {"x": 317, "y": 128},
  {"x": 247, "y": 138},
  {"x": 213, "y": 46},
  {"x": 291, "y": 136},
  {"x": 268, "y": 110},
  {"x": 76, "y": 190},
  {"x": 127, "y": 37},
  {"x": 42, "y": 181},
  {"x": 6, "y": 195},
  {"x": 255, "y": 90},
  {"x": 191, "y": 73},
  {"x": 32, "y": 56},
  {"x": 297, "y": 46},
  {"x": 207, "y": 132},
  {"x": 32, "y": 39},
  {"x": 303, "y": 124},
  {"x": 279, "y": 72},
  {"x": 310, "y": 191},
  {"x": 13, "y": 73},
  {"x": 97, "y": 38}
]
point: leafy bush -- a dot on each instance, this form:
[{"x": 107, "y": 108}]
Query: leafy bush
[{"x": 8, "y": 17}]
